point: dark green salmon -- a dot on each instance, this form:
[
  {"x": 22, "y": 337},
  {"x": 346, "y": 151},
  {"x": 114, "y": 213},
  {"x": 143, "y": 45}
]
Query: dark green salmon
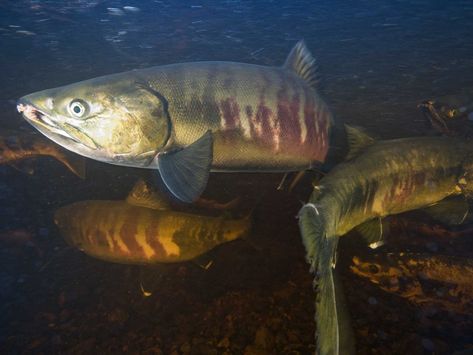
[
  {"x": 382, "y": 178},
  {"x": 187, "y": 119}
]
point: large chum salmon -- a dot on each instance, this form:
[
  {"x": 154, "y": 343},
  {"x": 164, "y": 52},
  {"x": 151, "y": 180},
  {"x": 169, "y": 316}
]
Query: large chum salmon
[
  {"x": 143, "y": 230},
  {"x": 378, "y": 179},
  {"x": 189, "y": 118}
]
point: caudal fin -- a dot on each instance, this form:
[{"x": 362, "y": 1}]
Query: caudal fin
[{"x": 333, "y": 334}]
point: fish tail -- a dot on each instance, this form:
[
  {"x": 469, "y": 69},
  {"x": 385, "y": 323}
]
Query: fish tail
[
  {"x": 333, "y": 334},
  {"x": 75, "y": 163}
]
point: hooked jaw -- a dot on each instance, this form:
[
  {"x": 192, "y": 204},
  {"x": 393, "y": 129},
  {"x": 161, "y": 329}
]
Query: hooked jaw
[
  {"x": 35, "y": 116},
  {"x": 44, "y": 123},
  {"x": 31, "y": 113}
]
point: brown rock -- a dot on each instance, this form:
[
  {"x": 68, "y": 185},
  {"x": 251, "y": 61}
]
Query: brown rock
[
  {"x": 185, "y": 348},
  {"x": 263, "y": 338},
  {"x": 224, "y": 343},
  {"x": 117, "y": 316},
  {"x": 253, "y": 350}
]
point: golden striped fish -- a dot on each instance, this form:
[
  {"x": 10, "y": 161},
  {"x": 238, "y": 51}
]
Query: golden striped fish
[{"x": 120, "y": 232}]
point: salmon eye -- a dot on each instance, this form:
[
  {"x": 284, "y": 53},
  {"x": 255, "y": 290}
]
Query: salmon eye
[{"x": 77, "y": 108}]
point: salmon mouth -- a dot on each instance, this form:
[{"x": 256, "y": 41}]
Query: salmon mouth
[
  {"x": 40, "y": 119},
  {"x": 58, "y": 132},
  {"x": 35, "y": 115}
]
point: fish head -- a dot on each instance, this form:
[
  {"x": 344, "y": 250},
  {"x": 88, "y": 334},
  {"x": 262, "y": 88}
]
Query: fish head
[{"x": 113, "y": 119}]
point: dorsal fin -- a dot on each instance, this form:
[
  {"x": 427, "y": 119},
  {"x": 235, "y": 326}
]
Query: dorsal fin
[
  {"x": 145, "y": 196},
  {"x": 301, "y": 61},
  {"x": 357, "y": 141}
]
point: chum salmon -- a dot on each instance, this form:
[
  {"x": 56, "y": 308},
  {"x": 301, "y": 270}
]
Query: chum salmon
[
  {"x": 121, "y": 232},
  {"x": 378, "y": 179},
  {"x": 187, "y": 119}
]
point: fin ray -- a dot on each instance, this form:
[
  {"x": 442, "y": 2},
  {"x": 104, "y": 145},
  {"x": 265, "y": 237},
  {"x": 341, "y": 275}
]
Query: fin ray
[
  {"x": 358, "y": 140},
  {"x": 301, "y": 61},
  {"x": 185, "y": 172}
]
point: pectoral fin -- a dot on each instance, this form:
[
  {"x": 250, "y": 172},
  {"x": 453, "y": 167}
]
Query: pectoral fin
[
  {"x": 373, "y": 232},
  {"x": 185, "y": 172}
]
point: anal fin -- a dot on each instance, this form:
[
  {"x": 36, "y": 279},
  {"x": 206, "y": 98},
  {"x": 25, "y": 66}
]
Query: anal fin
[
  {"x": 373, "y": 232},
  {"x": 450, "y": 211}
]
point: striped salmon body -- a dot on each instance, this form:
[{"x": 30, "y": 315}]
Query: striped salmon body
[
  {"x": 119, "y": 232},
  {"x": 263, "y": 118},
  {"x": 188, "y": 119}
]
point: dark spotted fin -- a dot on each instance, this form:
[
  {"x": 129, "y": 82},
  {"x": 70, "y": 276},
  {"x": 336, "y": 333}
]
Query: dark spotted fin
[
  {"x": 358, "y": 141},
  {"x": 301, "y": 61},
  {"x": 144, "y": 195},
  {"x": 374, "y": 232},
  {"x": 334, "y": 334},
  {"x": 450, "y": 211},
  {"x": 185, "y": 172}
]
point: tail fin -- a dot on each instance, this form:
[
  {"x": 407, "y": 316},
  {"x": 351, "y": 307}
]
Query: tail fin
[
  {"x": 75, "y": 163},
  {"x": 333, "y": 332}
]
